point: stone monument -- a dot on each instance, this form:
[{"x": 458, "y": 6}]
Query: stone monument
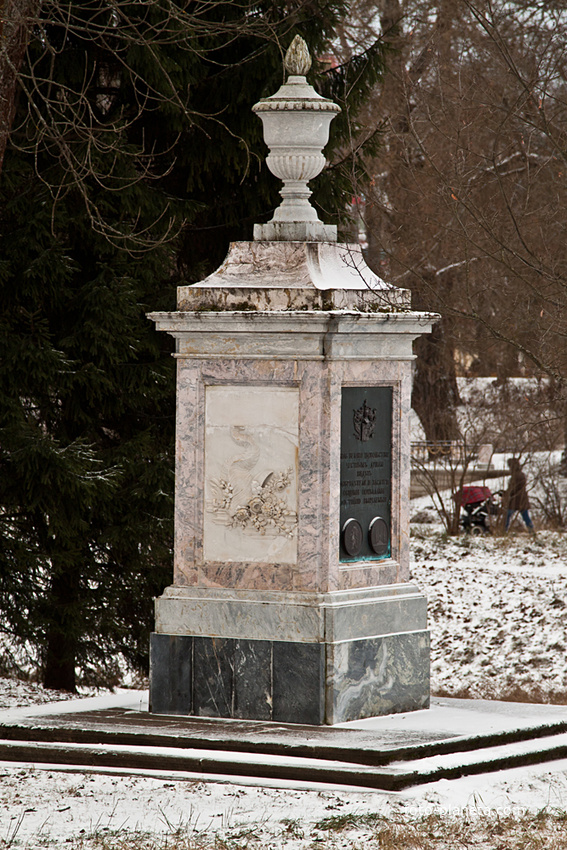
[{"x": 291, "y": 599}]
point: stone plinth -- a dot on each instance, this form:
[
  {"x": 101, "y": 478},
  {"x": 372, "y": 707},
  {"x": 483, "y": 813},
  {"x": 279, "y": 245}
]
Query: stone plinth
[
  {"x": 267, "y": 276},
  {"x": 274, "y": 612}
]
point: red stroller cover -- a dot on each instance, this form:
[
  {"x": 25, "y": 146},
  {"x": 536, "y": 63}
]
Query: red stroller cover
[{"x": 471, "y": 495}]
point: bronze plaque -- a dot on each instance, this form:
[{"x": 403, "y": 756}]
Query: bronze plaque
[
  {"x": 379, "y": 535},
  {"x": 366, "y": 472},
  {"x": 352, "y": 537}
]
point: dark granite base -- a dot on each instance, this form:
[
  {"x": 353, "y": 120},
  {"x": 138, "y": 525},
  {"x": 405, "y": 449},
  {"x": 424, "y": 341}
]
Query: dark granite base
[
  {"x": 376, "y": 676},
  {"x": 311, "y": 683},
  {"x": 171, "y": 664}
]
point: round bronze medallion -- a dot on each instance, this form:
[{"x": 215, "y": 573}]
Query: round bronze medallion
[
  {"x": 352, "y": 537},
  {"x": 379, "y": 535}
]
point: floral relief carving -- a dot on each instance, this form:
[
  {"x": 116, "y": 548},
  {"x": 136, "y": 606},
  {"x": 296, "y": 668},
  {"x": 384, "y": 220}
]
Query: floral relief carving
[{"x": 240, "y": 500}]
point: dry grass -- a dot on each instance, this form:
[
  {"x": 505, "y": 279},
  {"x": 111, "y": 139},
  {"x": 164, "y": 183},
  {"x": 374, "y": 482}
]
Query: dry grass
[
  {"x": 492, "y": 832},
  {"x": 518, "y": 693},
  {"x": 470, "y": 829}
]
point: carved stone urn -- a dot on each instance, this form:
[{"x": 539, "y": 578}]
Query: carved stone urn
[{"x": 296, "y": 129}]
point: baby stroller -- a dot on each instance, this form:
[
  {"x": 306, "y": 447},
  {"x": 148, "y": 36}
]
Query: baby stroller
[{"x": 479, "y": 505}]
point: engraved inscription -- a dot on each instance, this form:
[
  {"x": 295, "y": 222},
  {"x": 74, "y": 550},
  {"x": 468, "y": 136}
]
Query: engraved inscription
[{"x": 366, "y": 435}]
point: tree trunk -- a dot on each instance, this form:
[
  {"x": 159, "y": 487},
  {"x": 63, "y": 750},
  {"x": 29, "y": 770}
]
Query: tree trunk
[
  {"x": 61, "y": 648},
  {"x": 435, "y": 393}
]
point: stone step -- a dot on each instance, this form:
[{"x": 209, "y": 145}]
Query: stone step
[
  {"x": 453, "y": 738},
  {"x": 388, "y": 768},
  {"x": 392, "y": 777},
  {"x": 339, "y": 743}
]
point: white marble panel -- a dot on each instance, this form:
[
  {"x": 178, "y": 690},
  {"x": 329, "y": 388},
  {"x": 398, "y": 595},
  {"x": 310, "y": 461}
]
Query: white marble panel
[{"x": 251, "y": 474}]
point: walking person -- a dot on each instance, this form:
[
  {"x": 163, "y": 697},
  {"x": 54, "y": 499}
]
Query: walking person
[{"x": 516, "y": 496}]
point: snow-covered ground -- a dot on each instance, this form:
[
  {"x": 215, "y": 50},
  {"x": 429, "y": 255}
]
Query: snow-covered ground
[
  {"x": 42, "y": 807},
  {"x": 497, "y": 610}
]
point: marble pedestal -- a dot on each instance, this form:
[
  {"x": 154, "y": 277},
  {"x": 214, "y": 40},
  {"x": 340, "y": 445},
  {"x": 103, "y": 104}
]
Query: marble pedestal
[
  {"x": 290, "y": 657},
  {"x": 267, "y": 618}
]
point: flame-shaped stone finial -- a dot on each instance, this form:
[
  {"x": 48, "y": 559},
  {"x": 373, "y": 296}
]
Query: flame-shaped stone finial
[{"x": 297, "y": 59}]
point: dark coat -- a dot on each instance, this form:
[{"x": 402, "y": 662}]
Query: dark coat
[{"x": 516, "y": 494}]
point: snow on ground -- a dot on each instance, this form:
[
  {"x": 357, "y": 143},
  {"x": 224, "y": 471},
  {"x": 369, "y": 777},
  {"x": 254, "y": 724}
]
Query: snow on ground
[
  {"x": 14, "y": 693},
  {"x": 497, "y": 608},
  {"x": 497, "y": 611},
  {"x": 43, "y": 807}
]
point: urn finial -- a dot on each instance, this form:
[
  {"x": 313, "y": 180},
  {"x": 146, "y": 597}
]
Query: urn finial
[
  {"x": 297, "y": 59},
  {"x": 296, "y": 129}
]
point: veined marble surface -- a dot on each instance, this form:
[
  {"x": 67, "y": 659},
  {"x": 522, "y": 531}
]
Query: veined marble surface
[
  {"x": 294, "y": 335},
  {"x": 311, "y": 417},
  {"x": 265, "y": 346},
  {"x": 297, "y": 267},
  {"x": 383, "y": 675},
  {"x": 289, "y": 681},
  {"x": 302, "y": 617}
]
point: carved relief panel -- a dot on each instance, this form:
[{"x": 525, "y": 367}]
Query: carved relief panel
[{"x": 251, "y": 472}]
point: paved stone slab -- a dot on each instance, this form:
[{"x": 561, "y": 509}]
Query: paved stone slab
[{"x": 453, "y": 738}]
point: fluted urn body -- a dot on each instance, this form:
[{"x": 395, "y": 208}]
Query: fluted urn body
[{"x": 296, "y": 124}]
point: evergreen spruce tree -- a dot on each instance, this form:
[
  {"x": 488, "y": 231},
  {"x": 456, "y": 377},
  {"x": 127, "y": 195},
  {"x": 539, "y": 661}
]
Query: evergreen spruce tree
[
  {"x": 86, "y": 426},
  {"x": 133, "y": 130}
]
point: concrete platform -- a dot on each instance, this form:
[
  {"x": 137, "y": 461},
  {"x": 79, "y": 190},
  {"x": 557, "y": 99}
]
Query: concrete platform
[{"x": 453, "y": 738}]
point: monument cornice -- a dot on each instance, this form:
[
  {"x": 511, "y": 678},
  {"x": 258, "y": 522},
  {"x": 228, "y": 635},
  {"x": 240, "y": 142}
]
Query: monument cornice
[
  {"x": 291, "y": 321},
  {"x": 295, "y": 335}
]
